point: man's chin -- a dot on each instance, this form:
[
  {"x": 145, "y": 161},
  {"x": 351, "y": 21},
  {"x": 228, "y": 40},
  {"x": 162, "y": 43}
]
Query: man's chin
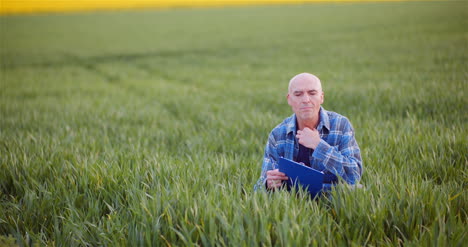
[{"x": 307, "y": 116}]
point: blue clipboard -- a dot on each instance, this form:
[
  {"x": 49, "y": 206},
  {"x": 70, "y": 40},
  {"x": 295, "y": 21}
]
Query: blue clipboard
[{"x": 301, "y": 175}]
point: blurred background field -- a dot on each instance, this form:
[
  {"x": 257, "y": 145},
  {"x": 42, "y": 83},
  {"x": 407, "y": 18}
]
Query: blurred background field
[{"x": 148, "y": 127}]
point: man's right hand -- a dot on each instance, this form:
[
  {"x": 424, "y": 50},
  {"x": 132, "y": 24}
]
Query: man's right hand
[{"x": 275, "y": 178}]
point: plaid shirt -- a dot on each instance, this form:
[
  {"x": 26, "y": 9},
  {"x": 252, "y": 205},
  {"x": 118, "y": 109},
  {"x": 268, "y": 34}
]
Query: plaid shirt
[{"x": 337, "y": 153}]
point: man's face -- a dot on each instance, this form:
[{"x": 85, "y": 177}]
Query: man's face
[{"x": 305, "y": 97}]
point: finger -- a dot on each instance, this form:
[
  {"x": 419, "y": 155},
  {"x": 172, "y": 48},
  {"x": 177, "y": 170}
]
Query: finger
[
  {"x": 277, "y": 174},
  {"x": 300, "y": 141},
  {"x": 277, "y": 178},
  {"x": 274, "y": 170},
  {"x": 273, "y": 184},
  {"x": 273, "y": 177},
  {"x": 271, "y": 172},
  {"x": 276, "y": 183},
  {"x": 270, "y": 184}
]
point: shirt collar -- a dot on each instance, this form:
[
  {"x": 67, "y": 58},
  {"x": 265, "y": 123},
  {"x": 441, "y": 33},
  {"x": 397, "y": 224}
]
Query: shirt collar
[
  {"x": 291, "y": 125},
  {"x": 323, "y": 122}
]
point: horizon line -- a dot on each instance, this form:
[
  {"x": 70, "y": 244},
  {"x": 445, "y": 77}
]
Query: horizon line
[{"x": 20, "y": 7}]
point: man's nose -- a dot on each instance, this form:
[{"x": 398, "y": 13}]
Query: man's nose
[{"x": 306, "y": 98}]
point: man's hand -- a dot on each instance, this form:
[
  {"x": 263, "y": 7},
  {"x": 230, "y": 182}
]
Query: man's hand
[
  {"x": 309, "y": 138},
  {"x": 274, "y": 179}
]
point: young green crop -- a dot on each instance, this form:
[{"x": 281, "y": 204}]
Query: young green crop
[{"x": 147, "y": 128}]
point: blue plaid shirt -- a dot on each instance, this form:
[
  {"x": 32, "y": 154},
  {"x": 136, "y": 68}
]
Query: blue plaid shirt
[{"x": 337, "y": 153}]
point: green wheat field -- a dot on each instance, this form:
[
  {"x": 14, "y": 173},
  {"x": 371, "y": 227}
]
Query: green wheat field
[{"x": 147, "y": 128}]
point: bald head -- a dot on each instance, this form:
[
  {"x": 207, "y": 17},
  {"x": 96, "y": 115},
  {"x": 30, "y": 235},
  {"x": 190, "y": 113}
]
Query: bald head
[{"x": 305, "y": 77}]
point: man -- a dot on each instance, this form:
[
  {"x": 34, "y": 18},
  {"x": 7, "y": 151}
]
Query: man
[{"x": 317, "y": 138}]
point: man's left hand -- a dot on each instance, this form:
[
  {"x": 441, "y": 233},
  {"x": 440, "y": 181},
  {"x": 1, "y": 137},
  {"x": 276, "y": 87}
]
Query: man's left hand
[{"x": 309, "y": 138}]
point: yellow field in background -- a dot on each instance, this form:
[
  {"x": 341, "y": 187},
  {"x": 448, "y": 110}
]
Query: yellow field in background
[{"x": 34, "y": 6}]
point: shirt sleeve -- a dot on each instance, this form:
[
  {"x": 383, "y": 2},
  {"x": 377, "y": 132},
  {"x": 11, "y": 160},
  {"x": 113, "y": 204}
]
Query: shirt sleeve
[
  {"x": 344, "y": 159},
  {"x": 270, "y": 162}
]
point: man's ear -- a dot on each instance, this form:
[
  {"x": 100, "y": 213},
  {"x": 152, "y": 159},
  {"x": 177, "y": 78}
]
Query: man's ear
[
  {"x": 288, "y": 99},
  {"x": 323, "y": 97}
]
